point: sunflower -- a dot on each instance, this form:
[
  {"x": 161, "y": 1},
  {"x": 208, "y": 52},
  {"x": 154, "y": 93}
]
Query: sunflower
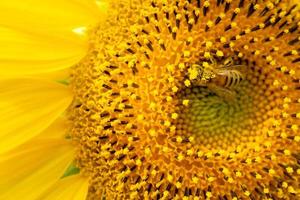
[{"x": 155, "y": 99}]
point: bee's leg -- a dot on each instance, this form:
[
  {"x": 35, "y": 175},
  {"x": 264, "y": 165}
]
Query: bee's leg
[
  {"x": 213, "y": 61},
  {"x": 202, "y": 84},
  {"x": 228, "y": 62},
  {"x": 225, "y": 93}
]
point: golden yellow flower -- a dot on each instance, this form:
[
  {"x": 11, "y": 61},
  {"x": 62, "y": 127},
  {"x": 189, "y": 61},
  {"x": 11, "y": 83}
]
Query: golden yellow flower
[{"x": 155, "y": 99}]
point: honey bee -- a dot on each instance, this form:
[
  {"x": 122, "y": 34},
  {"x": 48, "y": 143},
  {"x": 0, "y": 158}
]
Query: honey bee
[{"x": 222, "y": 78}]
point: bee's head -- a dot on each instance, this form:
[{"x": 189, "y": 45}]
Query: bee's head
[
  {"x": 208, "y": 75},
  {"x": 208, "y": 71}
]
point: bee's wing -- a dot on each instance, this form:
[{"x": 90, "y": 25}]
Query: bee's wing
[
  {"x": 227, "y": 94},
  {"x": 231, "y": 72},
  {"x": 232, "y": 67}
]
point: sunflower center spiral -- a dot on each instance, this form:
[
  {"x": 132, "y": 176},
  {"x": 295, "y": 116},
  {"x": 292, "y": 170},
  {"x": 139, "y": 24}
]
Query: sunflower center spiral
[
  {"x": 214, "y": 121},
  {"x": 154, "y": 120},
  {"x": 221, "y": 117}
]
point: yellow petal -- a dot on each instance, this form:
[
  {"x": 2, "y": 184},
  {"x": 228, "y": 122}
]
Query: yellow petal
[
  {"x": 71, "y": 188},
  {"x": 27, "y": 107},
  {"x": 24, "y": 54},
  {"x": 56, "y": 75},
  {"x": 29, "y": 170},
  {"x": 49, "y": 16},
  {"x": 58, "y": 129},
  {"x": 44, "y": 36}
]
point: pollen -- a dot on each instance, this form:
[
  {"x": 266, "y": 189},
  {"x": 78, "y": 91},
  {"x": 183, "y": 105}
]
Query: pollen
[{"x": 188, "y": 99}]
